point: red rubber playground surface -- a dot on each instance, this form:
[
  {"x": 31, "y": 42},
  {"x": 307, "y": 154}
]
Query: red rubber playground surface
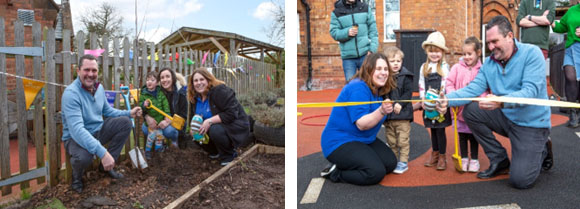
[{"x": 311, "y": 123}]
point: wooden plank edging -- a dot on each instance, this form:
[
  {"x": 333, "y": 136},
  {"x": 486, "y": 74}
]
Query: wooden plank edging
[{"x": 258, "y": 148}]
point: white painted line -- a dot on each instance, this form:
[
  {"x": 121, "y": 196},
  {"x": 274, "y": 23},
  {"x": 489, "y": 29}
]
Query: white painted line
[
  {"x": 578, "y": 134},
  {"x": 313, "y": 191},
  {"x": 504, "y": 206}
]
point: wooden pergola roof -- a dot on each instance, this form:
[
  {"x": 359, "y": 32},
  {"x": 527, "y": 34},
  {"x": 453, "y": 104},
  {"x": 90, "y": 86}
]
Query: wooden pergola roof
[{"x": 204, "y": 40}]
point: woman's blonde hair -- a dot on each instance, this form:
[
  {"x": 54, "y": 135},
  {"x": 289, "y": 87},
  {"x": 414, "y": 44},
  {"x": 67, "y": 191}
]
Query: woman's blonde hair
[
  {"x": 426, "y": 71},
  {"x": 212, "y": 81},
  {"x": 367, "y": 70}
]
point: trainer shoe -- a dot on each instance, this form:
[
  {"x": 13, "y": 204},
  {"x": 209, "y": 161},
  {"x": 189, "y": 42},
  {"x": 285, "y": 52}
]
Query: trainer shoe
[
  {"x": 328, "y": 170},
  {"x": 473, "y": 166},
  {"x": 215, "y": 156},
  {"x": 401, "y": 168},
  {"x": 465, "y": 164}
]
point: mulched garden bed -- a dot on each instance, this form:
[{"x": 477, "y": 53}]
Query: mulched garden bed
[
  {"x": 255, "y": 182},
  {"x": 169, "y": 175}
]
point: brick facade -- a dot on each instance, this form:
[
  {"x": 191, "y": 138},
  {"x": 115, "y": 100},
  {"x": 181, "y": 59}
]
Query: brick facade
[
  {"x": 45, "y": 13},
  {"x": 455, "y": 19}
]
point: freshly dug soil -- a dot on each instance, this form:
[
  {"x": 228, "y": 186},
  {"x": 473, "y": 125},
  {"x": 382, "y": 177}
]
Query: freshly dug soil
[
  {"x": 257, "y": 182},
  {"x": 170, "y": 174}
]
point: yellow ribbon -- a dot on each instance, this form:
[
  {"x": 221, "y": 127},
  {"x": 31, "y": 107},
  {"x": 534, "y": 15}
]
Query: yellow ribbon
[{"x": 528, "y": 101}]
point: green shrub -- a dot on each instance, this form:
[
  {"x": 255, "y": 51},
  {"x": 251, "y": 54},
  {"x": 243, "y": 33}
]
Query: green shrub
[{"x": 270, "y": 116}]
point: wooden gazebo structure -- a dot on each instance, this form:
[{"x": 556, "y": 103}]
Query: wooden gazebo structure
[{"x": 204, "y": 40}]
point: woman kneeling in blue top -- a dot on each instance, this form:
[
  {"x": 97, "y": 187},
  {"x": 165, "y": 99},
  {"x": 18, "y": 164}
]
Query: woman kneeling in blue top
[{"x": 349, "y": 140}]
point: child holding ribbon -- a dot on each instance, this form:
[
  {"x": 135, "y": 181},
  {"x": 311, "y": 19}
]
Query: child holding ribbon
[
  {"x": 460, "y": 75},
  {"x": 432, "y": 80}
]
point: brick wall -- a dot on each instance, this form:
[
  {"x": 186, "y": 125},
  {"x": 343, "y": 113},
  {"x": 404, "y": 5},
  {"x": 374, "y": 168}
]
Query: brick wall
[
  {"x": 10, "y": 14},
  {"x": 455, "y": 19}
]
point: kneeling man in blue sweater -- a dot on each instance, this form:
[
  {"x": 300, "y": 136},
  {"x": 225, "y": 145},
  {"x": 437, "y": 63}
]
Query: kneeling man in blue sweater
[
  {"x": 514, "y": 69},
  {"x": 89, "y": 123}
]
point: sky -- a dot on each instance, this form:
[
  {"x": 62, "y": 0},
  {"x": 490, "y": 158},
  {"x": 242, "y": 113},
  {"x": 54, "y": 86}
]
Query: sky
[{"x": 162, "y": 17}]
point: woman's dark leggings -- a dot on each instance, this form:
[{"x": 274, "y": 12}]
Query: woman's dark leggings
[
  {"x": 438, "y": 140},
  {"x": 571, "y": 83},
  {"x": 473, "y": 145},
  {"x": 362, "y": 164}
]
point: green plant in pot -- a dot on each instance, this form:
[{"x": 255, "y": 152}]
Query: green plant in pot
[{"x": 269, "y": 125}]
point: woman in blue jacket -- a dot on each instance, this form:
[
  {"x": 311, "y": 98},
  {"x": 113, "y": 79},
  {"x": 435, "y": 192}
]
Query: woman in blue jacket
[{"x": 349, "y": 140}]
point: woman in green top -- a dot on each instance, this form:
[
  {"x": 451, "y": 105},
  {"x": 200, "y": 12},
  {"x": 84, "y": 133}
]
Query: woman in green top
[{"x": 570, "y": 24}]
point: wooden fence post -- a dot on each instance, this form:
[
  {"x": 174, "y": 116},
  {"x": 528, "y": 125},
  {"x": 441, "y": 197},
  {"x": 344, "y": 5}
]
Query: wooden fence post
[
  {"x": 21, "y": 103},
  {"x": 50, "y": 95},
  {"x": 66, "y": 64},
  {"x": 4, "y": 130},
  {"x": 38, "y": 103}
]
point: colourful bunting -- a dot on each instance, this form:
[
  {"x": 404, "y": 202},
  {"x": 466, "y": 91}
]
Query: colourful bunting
[
  {"x": 31, "y": 89},
  {"x": 232, "y": 72},
  {"x": 204, "y": 57},
  {"x": 226, "y": 60},
  {"x": 94, "y": 52},
  {"x": 268, "y": 77},
  {"x": 156, "y": 57},
  {"x": 190, "y": 62},
  {"x": 217, "y": 56}
]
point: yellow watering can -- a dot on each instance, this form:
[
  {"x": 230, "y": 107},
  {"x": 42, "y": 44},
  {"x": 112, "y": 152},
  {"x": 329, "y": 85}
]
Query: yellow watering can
[{"x": 176, "y": 121}]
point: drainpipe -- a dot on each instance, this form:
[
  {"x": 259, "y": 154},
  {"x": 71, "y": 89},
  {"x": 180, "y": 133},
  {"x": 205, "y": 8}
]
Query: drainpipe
[
  {"x": 481, "y": 20},
  {"x": 309, "y": 44}
]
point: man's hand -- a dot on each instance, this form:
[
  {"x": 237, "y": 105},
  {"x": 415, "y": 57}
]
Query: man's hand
[
  {"x": 135, "y": 112},
  {"x": 397, "y": 108},
  {"x": 352, "y": 31},
  {"x": 442, "y": 104},
  {"x": 488, "y": 105},
  {"x": 108, "y": 161},
  {"x": 578, "y": 31}
]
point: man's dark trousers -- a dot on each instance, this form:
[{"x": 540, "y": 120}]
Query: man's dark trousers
[
  {"x": 114, "y": 132},
  {"x": 528, "y": 144}
]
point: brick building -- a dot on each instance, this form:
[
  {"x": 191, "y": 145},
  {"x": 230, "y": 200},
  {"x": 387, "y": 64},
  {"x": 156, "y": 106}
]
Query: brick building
[
  {"x": 455, "y": 19},
  {"x": 46, "y": 12}
]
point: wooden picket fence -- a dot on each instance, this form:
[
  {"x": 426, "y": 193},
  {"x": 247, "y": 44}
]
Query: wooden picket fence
[{"x": 116, "y": 66}]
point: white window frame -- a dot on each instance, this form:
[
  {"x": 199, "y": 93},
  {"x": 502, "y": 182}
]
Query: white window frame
[
  {"x": 298, "y": 26},
  {"x": 385, "y": 40}
]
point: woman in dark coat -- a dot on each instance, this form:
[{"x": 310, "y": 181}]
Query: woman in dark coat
[
  {"x": 224, "y": 119},
  {"x": 176, "y": 97}
]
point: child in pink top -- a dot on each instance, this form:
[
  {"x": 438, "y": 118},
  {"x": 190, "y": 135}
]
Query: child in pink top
[{"x": 460, "y": 75}]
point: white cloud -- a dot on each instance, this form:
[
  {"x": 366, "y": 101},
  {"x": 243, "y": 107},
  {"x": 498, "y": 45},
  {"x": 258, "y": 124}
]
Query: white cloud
[
  {"x": 155, "y": 12},
  {"x": 264, "y": 11},
  {"x": 156, "y": 34}
]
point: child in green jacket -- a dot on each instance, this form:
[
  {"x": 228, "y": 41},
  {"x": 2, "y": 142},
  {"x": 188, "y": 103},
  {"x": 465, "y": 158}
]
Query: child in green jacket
[{"x": 151, "y": 91}]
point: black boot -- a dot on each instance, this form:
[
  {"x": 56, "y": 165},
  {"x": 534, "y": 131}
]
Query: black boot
[
  {"x": 77, "y": 181},
  {"x": 573, "y": 114}
]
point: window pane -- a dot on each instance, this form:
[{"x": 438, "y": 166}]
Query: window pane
[
  {"x": 391, "y": 5},
  {"x": 392, "y": 22}
]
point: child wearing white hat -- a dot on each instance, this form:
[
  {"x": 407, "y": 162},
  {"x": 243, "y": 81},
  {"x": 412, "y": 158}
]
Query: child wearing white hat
[{"x": 432, "y": 80}]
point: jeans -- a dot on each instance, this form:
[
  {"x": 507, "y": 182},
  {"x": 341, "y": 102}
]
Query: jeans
[
  {"x": 350, "y": 66},
  {"x": 169, "y": 132}
]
